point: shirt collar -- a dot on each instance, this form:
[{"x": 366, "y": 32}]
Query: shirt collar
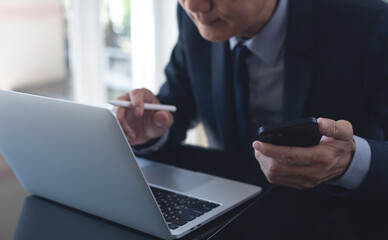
[{"x": 267, "y": 44}]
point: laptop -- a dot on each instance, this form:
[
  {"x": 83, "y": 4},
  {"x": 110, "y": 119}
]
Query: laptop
[{"x": 78, "y": 155}]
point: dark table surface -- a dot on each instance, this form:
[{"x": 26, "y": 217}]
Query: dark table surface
[{"x": 275, "y": 214}]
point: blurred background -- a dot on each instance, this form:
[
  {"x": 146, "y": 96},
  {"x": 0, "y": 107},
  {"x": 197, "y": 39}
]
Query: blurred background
[{"x": 87, "y": 51}]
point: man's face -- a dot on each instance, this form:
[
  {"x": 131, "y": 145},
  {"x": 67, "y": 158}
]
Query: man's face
[{"x": 218, "y": 20}]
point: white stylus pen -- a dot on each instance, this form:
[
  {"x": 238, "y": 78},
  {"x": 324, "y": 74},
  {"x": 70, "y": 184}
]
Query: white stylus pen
[{"x": 147, "y": 106}]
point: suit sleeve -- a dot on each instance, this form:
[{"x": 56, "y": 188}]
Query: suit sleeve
[
  {"x": 177, "y": 89},
  {"x": 376, "y": 77}
]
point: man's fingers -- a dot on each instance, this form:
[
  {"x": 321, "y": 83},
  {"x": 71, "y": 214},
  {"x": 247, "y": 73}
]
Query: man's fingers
[
  {"x": 286, "y": 155},
  {"x": 139, "y": 125},
  {"x": 124, "y": 97},
  {"x": 339, "y": 130},
  {"x": 128, "y": 131},
  {"x": 137, "y": 99},
  {"x": 300, "y": 177},
  {"x": 120, "y": 113}
]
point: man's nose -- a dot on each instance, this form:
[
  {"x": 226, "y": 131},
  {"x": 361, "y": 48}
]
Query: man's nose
[{"x": 199, "y": 5}]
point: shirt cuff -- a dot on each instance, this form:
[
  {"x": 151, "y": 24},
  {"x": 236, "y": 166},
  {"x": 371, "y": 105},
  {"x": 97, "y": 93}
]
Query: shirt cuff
[
  {"x": 154, "y": 147},
  {"x": 358, "y": 168}
]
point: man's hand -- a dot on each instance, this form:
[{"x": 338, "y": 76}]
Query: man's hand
[
  {"x": 304, "y": 168},
  {"x": 141, "y": 126}
]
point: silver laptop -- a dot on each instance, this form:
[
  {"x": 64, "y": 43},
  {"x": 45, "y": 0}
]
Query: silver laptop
[{"x": 78, "y": 155}]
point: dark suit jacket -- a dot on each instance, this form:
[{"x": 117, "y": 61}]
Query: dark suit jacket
[{"x": 336, "y": 66}]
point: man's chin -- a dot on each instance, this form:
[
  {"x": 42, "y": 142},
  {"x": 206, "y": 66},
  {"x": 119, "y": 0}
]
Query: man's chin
[{"x": 215, "y": 36}]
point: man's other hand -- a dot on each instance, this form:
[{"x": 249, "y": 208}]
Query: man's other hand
[
  {"x": 304, "y": 168},
  {"x": 138, "y": 125}
]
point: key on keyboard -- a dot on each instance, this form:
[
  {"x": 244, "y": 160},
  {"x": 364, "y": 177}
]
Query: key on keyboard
[{"x": 179, "y": 209}]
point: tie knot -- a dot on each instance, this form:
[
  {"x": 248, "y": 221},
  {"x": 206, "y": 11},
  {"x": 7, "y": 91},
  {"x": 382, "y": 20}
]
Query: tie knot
[{"x": 240, "y": 52}]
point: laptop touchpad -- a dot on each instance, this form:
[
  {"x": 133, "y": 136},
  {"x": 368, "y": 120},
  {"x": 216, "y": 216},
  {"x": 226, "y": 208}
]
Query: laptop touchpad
[{"x": 174, "y": 178}]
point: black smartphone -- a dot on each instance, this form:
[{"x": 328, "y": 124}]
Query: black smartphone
[{"x": 298, "y": 133}]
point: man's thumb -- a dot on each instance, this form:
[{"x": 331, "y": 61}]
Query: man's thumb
[
  {"x": 340, "y": 130},
  {"x": 161, "y": 119}
]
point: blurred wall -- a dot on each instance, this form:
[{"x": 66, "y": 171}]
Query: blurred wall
[{"x": 32, "y": 44}]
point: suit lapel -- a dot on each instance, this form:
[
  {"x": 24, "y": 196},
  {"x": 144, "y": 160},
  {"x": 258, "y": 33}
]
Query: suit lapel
[
  {"x": 222, "y": 92},
  {"x": 298, "y": 70}
]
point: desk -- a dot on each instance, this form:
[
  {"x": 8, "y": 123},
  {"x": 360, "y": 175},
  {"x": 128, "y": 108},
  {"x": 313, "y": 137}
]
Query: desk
[{"x": 275, "y": 215}]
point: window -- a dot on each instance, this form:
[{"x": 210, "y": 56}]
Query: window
[
  {"x": 33, "y": 47},
  {"x": 116, "y": 22},
  {"x": 89, "y": 51},
  {"x": 118, "y": 45}
]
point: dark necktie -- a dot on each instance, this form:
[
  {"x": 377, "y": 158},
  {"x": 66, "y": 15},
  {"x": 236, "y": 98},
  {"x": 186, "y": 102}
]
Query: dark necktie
[{"x": 240, "y": 85}]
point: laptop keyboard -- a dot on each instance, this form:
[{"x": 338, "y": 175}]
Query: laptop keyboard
[{"x": 179, "y": 209}]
